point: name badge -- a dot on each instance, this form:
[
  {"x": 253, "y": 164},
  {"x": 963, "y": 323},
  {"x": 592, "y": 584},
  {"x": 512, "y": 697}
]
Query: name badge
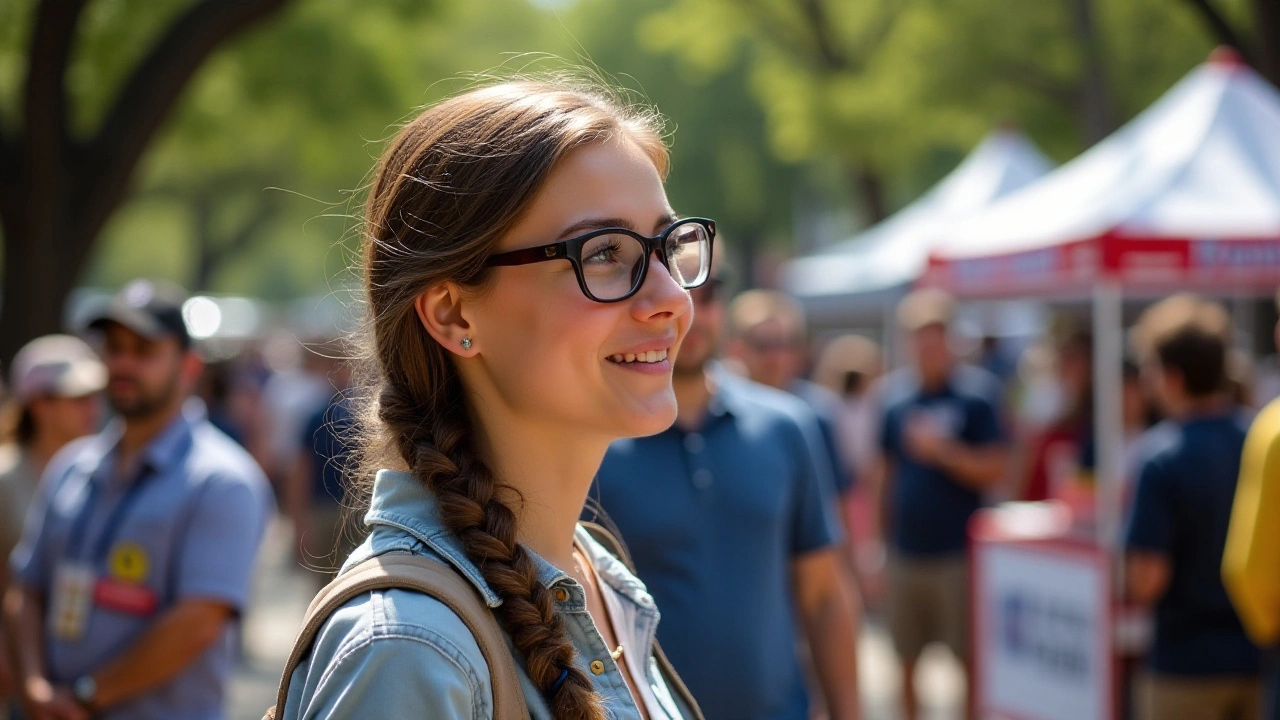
[
  {"x": 71, "y": 600},
  {"x": 125, "y": 597}
]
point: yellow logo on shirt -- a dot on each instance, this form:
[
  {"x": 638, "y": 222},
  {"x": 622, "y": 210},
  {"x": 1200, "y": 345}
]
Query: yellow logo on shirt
[{"x": 129, "y": 562}]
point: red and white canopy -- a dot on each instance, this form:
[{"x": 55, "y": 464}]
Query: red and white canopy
[{"x": 1186, "y": 195}]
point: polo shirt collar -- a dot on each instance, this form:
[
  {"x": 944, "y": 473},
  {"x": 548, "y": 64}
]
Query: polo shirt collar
[
  {"x": 162, "y": 452},
  {"x": 726, "y": 398},
  {"x": 170, "y": 446}
]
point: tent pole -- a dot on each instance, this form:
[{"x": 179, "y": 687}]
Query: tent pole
[
  {"x": 889, "y": 334},
  {"x": 1242, "y": 307},
  {"x": 1108, "y": 386}
]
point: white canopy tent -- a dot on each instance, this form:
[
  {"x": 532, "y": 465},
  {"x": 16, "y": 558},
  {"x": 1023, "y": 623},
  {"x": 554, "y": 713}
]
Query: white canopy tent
[
  {"x": 1185, "y": 196},
  {"x": 875, "y": 266}
]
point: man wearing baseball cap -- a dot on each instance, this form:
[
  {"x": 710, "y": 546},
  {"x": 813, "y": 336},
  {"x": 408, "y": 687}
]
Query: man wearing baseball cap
[
  {"x": 55, "y": 382},
  {"x": 135, "y": 561}
]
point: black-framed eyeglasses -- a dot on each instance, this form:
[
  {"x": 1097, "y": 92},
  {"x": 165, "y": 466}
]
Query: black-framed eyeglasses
[{"x": 612, "y": 263}]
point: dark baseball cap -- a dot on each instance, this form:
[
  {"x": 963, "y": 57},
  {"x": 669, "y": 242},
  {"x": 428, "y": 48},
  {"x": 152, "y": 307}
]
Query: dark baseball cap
[{"x": 151, "y": 308}]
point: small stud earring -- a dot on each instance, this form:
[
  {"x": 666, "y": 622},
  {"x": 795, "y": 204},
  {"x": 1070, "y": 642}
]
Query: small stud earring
[{"x": 466, "y": 343}]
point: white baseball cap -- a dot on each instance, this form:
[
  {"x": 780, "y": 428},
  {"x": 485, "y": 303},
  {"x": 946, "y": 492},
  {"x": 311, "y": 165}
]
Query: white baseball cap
[{"x": 56, "y": 365}]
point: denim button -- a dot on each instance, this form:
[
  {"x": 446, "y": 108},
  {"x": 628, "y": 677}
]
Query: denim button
[
  {"x": 597, "y": 667},
  {"x": 562, "y": 595}
]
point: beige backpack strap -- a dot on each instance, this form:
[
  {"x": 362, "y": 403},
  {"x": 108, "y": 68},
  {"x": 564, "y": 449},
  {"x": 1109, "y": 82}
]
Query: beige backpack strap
[
  {"x": 618, "y": 550},
  {"x": 430, "y": 577}
]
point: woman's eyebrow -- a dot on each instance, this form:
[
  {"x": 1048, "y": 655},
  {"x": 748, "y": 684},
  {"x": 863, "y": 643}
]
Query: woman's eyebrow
[{"x": 586, "y": 226}]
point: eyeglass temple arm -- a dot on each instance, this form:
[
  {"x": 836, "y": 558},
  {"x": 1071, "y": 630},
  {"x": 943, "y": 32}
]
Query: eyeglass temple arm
[{"x": 528, "y": 256}]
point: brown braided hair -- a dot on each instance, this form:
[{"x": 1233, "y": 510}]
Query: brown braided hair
[{"x": 447, "y": 189}]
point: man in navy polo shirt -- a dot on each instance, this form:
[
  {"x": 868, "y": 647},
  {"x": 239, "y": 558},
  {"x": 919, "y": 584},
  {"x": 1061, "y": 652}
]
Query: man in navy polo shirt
[
  {"x": 135, "y": 562},
  {"x": 941, "y": 448},
  {"x": 1201, "y": 665},
  {"x": 730, "y": 518},
  {"x": 768, "y": 336}
]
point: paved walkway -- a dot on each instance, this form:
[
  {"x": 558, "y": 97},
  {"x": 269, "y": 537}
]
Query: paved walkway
[{"x": 282, "y": 591}]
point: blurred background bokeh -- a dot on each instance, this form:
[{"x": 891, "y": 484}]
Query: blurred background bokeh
[{"x": 223, "y": 145}]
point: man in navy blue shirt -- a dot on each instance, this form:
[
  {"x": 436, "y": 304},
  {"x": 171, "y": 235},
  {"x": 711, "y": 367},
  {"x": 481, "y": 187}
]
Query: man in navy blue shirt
[
  {"x": 326, "y": 529},
  {"x": 729, "y": 516},
  {"x": 767, "y": 335},
  {"x": 1201, "y": 664},
  {"x": 941, "y": 448}
]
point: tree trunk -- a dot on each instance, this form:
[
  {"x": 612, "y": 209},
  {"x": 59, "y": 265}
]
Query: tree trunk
[
  {"x": 1266, "y": 20},
  {"x": 58, "y": 193},
  {"x": 870, "y": 187},
  {"x": 40, "y": 271},
  {"x": 205, "y": 237},
  {"x": 1093, "y": 105}
]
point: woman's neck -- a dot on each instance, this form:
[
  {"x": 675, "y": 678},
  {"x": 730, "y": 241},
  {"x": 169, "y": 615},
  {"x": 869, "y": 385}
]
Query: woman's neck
[{"x": 552, "y": 470}]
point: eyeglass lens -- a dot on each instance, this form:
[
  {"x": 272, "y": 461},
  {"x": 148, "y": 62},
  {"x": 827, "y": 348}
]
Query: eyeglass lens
[{"x": 611, "y": 264}]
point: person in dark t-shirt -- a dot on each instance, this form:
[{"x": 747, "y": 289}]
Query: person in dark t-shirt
[
  {"x": 941, "y": 447},
  {"x": 326, "y": 527},
  {"x": 1201, "y": 665}
]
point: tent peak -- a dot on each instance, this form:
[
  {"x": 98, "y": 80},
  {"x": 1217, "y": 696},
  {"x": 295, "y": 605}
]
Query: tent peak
[{"x": 1225, "y": 56}]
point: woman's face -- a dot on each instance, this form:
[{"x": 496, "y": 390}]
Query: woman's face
[{"x": 548, "y": 352}]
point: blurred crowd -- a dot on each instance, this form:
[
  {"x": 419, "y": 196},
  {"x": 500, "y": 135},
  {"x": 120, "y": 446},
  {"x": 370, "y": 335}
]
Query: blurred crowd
[{"x": 816, "y": 474}]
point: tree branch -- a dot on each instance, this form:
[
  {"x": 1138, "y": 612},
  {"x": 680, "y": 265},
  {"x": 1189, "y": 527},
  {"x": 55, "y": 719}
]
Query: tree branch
[
  {"x": 152, "y": 91},
  {"x": 775, "y": 27},
  {"x": 876, "y": 32},
  {"x": 44, "y": 126},
  {"x": 830, "y": 55},
  {"x": 1221, "y": 29},
  {"x": 1057, "y": 92},
  {"x": 214, "y": 253}
]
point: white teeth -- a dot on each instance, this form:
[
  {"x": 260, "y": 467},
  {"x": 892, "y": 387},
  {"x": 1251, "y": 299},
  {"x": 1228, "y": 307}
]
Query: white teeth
[{"x": 652, "y": 356}]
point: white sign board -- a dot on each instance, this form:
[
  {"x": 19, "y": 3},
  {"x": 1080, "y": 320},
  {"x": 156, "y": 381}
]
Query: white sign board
[{"x": 1042, "y": 631}]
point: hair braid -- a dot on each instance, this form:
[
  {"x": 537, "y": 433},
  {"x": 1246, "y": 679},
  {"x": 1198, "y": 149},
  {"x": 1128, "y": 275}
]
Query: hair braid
[{"x": 437, "y": 449}]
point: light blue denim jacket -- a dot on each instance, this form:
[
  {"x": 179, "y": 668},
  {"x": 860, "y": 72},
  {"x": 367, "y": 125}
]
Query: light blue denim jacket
[{"x": 402, "y": 654}]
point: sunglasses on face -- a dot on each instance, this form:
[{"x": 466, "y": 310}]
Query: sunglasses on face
[{"x": 612, "y": 263}]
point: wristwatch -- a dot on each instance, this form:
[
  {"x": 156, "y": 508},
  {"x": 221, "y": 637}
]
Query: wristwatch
[{"x": 85, "y": 690}]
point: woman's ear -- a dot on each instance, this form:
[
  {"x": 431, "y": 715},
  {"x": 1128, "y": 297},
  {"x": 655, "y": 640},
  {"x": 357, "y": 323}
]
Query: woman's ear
[{"x": 440, "y": 310}]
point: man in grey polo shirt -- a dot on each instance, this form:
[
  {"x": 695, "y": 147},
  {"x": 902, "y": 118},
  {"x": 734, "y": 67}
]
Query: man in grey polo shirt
[
  {"x": 135, "y": 562},
  {"x": 730, "y": 518}
]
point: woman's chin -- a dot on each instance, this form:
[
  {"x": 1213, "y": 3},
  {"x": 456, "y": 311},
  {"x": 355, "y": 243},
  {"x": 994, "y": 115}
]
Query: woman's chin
[{"x": 650, "y": 418}]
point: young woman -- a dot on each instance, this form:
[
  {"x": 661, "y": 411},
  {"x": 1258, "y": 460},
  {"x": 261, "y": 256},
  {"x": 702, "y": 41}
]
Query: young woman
[{"x": 527, "y": 288}]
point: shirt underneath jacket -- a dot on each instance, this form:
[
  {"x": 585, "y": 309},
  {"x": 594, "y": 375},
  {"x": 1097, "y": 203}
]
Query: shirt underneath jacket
[{"x": 400, "y": 654}]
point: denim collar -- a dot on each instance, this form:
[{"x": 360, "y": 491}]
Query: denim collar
[{"x": 401, "y": 501}]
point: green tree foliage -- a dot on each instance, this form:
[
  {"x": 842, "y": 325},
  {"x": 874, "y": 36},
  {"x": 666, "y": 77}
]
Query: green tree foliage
[
  {"x": 884, "y": 86},
  {"x": 254, "y": 187}
]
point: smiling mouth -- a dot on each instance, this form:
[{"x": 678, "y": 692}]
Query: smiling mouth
[{"x": 653, "y": 356}]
